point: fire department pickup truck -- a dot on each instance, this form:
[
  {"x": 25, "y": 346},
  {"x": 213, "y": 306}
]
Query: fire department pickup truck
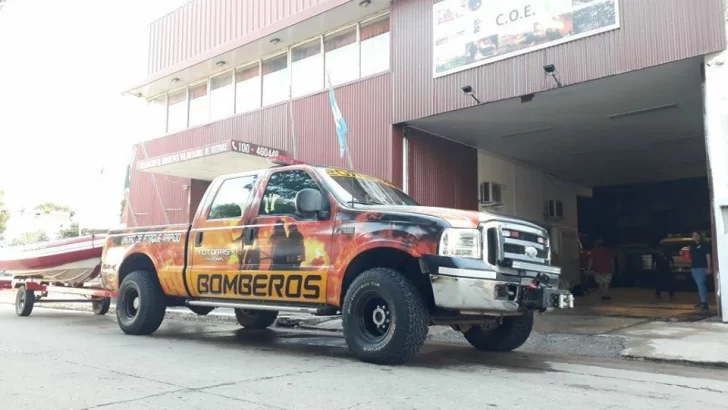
[{"x": 302, "y": 238}]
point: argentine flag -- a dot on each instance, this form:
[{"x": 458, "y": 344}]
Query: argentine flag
[{"x": 341, "y": 128}]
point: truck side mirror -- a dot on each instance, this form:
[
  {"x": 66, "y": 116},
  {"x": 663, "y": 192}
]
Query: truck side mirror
[{"x": 309, "y": 201}]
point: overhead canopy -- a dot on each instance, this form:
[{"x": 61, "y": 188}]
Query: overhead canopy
[
  {"x": 209, "y": 161},
  {"x": 641, "y": 126}
]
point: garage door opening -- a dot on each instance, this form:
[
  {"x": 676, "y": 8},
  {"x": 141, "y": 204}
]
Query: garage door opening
[{"x": 621, "y": 158}]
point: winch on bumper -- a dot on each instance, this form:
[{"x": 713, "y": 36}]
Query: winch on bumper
[{"x": 473, "y": 286}]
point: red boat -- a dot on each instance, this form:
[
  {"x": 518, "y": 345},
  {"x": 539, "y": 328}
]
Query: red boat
[{"x": 68, "y": 261}]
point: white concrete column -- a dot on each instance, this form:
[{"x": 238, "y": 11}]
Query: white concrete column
[{"x": 715, "y": 99}]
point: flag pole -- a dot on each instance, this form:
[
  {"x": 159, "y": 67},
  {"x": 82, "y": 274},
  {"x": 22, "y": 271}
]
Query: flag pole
[{"x": 293, "y": 120}]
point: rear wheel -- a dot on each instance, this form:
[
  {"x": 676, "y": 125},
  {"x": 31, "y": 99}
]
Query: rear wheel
[
  {"x": 101, "y": 306},
  {"x": 510, "y": 335},
  {"x": 24, "y": 301},
  {"x": 255, "y": 319},
  {"x": 385, "y": 317},
  {"x": 140, "y": 305}
]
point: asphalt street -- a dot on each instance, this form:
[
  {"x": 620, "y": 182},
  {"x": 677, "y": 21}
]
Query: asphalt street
[{"x": 58, "y": 359}]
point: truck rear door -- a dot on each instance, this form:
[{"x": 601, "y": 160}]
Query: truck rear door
[{"x": 215, "y": 240}]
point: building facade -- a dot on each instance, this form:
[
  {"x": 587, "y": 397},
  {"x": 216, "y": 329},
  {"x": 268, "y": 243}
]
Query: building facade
[{"x": 256, "y": 72}]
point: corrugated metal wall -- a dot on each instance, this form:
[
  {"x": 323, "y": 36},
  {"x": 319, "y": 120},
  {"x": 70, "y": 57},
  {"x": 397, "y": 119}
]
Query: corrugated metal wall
[
  {"x": 366, "y": 106},
  {"x": 442, "y": 173},
  {"x": 652, "y": 32},
  {"x": 203, "y": 25}
]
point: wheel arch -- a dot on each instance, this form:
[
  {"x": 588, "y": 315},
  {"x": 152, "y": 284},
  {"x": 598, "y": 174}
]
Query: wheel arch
[
  {"x": 393, "y": 258},
  {"x": 135, "y": 262}
]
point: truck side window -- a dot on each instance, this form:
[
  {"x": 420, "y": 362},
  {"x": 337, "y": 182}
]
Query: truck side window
[
  {"x": 280, "y": 194},
  {"x": 232, "y": 198}
]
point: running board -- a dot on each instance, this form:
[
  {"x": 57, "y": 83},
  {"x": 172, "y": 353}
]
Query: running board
[{"x": 256, "y": 306}]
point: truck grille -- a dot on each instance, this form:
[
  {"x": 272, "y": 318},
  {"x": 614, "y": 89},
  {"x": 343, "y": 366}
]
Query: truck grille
[{"x": 499, "y": 246}]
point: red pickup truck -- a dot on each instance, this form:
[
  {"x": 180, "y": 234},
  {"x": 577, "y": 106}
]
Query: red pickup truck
[{"x": 301, "y": 238}]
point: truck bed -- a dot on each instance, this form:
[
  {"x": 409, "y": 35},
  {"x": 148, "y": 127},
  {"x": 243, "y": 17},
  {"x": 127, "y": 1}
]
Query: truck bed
[{"x": 164, "y": 246}]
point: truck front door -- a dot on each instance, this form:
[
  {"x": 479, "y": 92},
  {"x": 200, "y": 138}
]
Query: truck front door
[{"x": 288, "y": 254}]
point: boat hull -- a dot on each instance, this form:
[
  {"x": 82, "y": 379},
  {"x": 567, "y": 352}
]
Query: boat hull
[{"x": 73, "y": 261}]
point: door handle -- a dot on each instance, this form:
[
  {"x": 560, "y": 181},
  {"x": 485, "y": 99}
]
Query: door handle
[
  {"x": 198, "y": 239},
  {"x": 249, "y": 235}
]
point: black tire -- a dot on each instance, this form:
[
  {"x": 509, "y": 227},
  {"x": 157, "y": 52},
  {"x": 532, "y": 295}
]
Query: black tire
[
  {"x": 510, "y": 335},
  {"x": 385, "y": 318},
  {"x": 101, "y": 306},
  {"x": 201, "y": 310},
  {"x": 255, "y": 319},
  {"x": 24, "y": 301},
  {"x": 144, "y": 316}
]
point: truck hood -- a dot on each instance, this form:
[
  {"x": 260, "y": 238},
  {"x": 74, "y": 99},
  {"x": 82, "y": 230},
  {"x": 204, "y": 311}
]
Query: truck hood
[{"x": 458, "y": 218}]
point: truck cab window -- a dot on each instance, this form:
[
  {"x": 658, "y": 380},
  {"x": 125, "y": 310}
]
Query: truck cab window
[
  {"x": 280, "y": 194},
  {"x": 232, "y": 198}
]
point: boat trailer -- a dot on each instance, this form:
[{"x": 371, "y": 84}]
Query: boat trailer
[{"x": 32, "y": 291}]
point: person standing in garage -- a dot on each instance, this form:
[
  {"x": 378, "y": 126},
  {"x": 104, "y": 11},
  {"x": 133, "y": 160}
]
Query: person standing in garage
[
  {"x": 700, "y": 263},
  {"x": 601, "y": 262}
]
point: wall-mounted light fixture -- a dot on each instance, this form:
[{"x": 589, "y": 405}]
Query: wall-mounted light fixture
[
  {"x": 468, "y": 90},
  {"x": 220, "y": 63},
  {"x": 365, "y": 3},
  {"x": 275, "y": 41},
  {"x": 550, "y": 70},
  {"x": 175, "y": 80}
]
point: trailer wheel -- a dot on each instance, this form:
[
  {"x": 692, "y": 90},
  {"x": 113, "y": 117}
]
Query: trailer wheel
[
  {"x": 140, "y": 305},
  {"x": 24, "y": 301},
  {"x": 510, "y": 335},
  {"x": 385, "y": 317},
  {"x": 101, "y": 306},
  {"x": 255, "y": 319}
]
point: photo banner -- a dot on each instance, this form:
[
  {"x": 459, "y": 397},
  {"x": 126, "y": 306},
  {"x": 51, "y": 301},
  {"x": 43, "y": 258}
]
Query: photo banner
[{"x": 470, "y": 33}]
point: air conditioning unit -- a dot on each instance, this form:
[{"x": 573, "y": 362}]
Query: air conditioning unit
[
  {"x": 491, "y": 194},
  {"x": 554, "y": 210}
]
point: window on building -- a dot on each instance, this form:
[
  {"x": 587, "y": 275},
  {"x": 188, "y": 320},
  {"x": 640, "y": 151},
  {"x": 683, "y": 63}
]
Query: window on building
[
  {"x": 232, "y": 198},
  {"x": 157, "y": 116},
  {"x": 280, "y": 194},
  {"x": 275, "y": 79},
  {"x": 342, "y": 56},
  {"x": 374, "y": 37},
  {"x": 307, "y": 68},
  {"x": 221, "y": 96},
  {"x": 177, "y": 116},
  {"x": 199, "y": 107},
  {"x": 247, "y": 88}
]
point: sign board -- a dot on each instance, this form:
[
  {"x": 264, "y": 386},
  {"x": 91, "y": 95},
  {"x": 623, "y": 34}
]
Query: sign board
[
  {"x": 470, "y": 33},
  {"x": 209, "y": 150}
]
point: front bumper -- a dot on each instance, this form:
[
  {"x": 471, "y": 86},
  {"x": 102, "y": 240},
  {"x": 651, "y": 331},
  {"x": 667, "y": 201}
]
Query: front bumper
[{"x": 469, "y": 287}]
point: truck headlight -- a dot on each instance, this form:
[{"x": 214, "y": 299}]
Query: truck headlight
[{"x": 462, "y": 243}]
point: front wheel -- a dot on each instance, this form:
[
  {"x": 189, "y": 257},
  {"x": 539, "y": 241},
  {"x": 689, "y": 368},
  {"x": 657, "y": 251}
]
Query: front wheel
[
  {"x": 255, "y": 319},
  {"x": 140, "y": 305},
  {"x": 385, "y": 318},
  {"x": 510, "y": 335},
  {"x": 24, "y": 301}
]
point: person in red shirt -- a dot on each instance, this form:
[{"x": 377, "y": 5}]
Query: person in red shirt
[{"x": 601, "y": 263}]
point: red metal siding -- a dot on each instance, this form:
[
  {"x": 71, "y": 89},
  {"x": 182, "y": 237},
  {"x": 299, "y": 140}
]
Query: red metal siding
[
  {"x": 652, "y": 32},
  {"x": 442, "y": 173},
  {"x": 215, "y": 26},
  {"x": 366, "y": 106}
]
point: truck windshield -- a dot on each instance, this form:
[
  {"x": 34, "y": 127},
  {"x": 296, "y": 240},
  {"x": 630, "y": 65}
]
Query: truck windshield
[{"x": 364, "y": 189}]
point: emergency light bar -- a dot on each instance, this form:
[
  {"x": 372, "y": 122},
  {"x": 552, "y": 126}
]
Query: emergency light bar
[{"x": 282, "y": 160}]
